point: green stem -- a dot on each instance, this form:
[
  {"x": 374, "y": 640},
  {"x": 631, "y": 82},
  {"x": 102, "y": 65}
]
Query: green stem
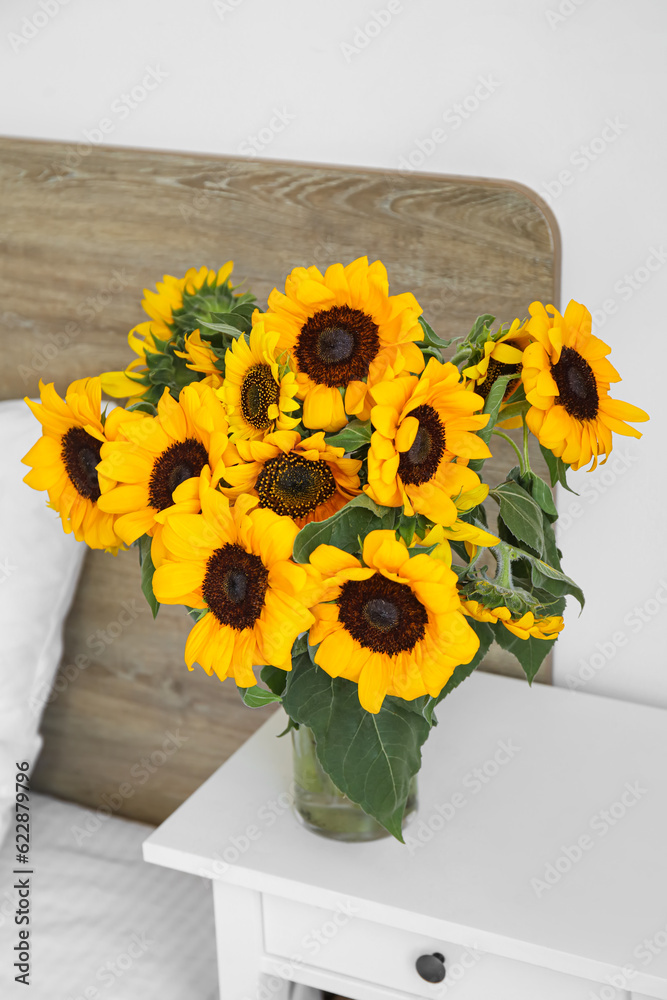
[
  {"x": 507, "y": 438},
  {"x": 502, "y": 554},
  {"x": 526, "y": 456}
]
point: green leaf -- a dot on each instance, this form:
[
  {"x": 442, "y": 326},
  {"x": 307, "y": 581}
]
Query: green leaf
[
  {"x": 542, "y": 495},
  {"x": 538, "y": 489},
  {"x": 417, "y": 705},
  {"x": 143, "y": 407},
  {"x": 233, "y": 327},
  {"x": 530, "y": 652},
  {"x": 429, "y": 352},
  {"x": 196, "y": 613},
  {"x": 291, "y": 724},
  {"x": 552, "y": 554},
  {"x": 521, "y": 514},
  {"x": 516, "y": 409},
  {"x": 147, "y": 570},
  {"x": 431, "y": 337},
  {"x": 406, "y": 528},
  {"x": 344, "y": 528},
  {"x": 355, "y": 435},
  {"x": 425, "y": 550},
  {"x": 557, "y": 469},
  {"x": 300, "y": 645},
  {"x": 370, "y": 758},
  {"x": 491, "y": 406},
  {"x": 257, "y": 697},
  {"x": 542, "y": 572},
  {"x": 274, "y": 678},
  {"x": 481, "y": 328},
  {"x": 464, "y": 670}
]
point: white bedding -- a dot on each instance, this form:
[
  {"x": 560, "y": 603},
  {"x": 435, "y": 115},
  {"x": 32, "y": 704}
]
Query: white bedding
[{"x": 105, "y": 925}]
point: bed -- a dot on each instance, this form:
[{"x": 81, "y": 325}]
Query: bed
[{"x": 104, "y": 923}]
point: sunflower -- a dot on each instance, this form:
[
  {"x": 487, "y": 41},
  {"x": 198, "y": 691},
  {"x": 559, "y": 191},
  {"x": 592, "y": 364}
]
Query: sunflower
[
  {"x": 234, "y": 564},
  {"x": 345, "y": 333},
  {"x": 151, "y": 336},
  {"x": 471, "y": 536},
  {"x": 159, "y": 459},
  {"x": 528, "y": 624},
  {"x": 566, "y": 376},
  {"x": 202, "y": 358},
  {"x": 259, "y": 387},
  {"x": 131, "y": 384},
  {"x": 421, "y": 426},
  {"x": 394, "y": 624},
  {"x": 307, "y": 480},
  {"x": 187, "y": 500},
  {"x": 170, "y": 295},
  {"x": 502, "y": 355},
  {"x": 64, "y": 460}
]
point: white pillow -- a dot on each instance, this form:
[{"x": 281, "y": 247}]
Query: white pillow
[{"x": 39, "y": 569}]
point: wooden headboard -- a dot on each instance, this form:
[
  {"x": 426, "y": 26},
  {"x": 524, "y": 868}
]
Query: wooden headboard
[{"x": 82, "y": 231}]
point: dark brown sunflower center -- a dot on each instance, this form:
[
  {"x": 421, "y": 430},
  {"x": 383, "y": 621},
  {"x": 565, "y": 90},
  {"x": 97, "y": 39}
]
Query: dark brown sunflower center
[
  {"x": 174, "y": 466},
  {"x": 576, "y": 385},
  {"x": 234, "y": 586},
  {"x": 420, "y": 463},
  {"x": 80, "y": 453},
  {"x": 337, "y": 345},
  {"x": 382, "y": 615},
  {"x": 495, "y": 370},
  {"x": 293, "y": 485},
  {"x": 259, "y": 391}
]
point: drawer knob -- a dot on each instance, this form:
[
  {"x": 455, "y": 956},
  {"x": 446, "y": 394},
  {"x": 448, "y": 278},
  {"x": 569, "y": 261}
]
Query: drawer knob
[{"x": 431, "y": 967}]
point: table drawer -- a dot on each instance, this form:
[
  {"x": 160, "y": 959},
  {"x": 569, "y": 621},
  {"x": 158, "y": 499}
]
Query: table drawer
[{"x": 337, "y": 941}]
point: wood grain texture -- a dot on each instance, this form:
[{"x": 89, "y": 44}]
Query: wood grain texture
[{"x": 83, "y": 231}]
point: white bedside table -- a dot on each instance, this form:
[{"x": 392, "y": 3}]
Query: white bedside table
[{"x": 536, "y": 866}]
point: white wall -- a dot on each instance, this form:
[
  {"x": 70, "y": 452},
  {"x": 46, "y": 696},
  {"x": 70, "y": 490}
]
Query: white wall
[{"x": 309, "y": 79}]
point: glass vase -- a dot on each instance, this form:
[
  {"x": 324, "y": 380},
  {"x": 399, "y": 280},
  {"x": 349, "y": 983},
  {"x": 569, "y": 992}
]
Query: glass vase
[{"x": 322, "y": 808}]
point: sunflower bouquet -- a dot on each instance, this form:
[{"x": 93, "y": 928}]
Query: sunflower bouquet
[{"x": 308, "y": 482}]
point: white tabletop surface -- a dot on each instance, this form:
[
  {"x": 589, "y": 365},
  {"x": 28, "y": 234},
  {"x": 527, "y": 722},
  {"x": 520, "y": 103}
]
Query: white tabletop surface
[{"x": 579, "y": 775}]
